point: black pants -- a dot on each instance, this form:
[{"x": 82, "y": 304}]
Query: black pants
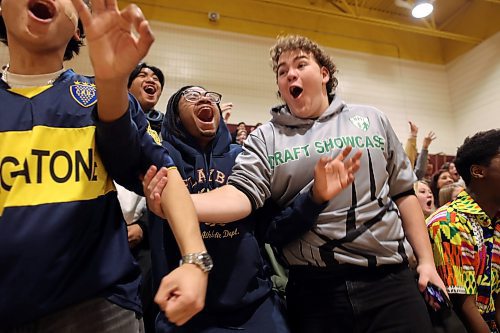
[{"x": 355, "y": 299}]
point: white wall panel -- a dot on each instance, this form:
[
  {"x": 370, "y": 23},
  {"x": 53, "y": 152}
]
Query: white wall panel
[
  {"x": 238, "y": 66},
  {"x": 474, "y": 81}
]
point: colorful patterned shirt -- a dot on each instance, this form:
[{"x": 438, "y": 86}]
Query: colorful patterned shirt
[{"x": 466, "y": 250}]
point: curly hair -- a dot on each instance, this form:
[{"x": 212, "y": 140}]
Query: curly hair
[
  {"x": 73, "y": 47},
  {"x": 478, "y": 149},
  {"x": 295, "y": 42}
]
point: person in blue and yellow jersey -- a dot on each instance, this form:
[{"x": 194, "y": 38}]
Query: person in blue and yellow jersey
[{"x": 63, "y": 244}]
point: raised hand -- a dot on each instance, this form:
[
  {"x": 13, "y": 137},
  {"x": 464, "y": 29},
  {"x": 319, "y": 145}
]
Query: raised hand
[
  {"x": 114, "y": 49},
  {"x": 413, "y": 129},
  {"x": 226, "y": 109},
  {"x": 428, "y": 139},
  {"x": 332, "y": 175}
]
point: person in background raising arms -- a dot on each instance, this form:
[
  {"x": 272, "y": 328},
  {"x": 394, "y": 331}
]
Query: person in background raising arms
[{"x": 419, "y": 161}]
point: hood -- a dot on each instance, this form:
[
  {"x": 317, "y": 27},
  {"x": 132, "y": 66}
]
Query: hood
[
  {"x": 188, "y": 144},
  {"x": 281, "y": 114},
  {"x": 220, "y": 143}
]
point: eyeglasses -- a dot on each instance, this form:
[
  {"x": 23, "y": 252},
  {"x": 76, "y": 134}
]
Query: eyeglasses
[{"x": 194, "y": 96}]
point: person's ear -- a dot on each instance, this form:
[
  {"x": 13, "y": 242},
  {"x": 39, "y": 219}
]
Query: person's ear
[
  {"x": 325, "y": 74},
  {"x": 76, "y": 35},
  {"x": 477, "y": 171}
]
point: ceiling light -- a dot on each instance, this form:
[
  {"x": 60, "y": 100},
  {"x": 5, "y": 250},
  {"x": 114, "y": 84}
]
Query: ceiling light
[
  {"x": 422, "y": 9},
  {"x": 419, "y": 8}
]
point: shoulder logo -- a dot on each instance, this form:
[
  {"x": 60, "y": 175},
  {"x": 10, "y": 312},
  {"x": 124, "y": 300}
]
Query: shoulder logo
[
  {"x": 363, "y": 123},
  {"x": 83, "y": 93}
]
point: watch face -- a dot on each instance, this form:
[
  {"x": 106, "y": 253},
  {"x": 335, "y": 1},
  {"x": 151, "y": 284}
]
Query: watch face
[{"x": 206, "y": 261}]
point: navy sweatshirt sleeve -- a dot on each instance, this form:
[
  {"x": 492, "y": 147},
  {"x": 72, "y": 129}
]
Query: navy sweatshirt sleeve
[
  {"x": 279, "y": 226},
  {"x": 127, "y": 149}
]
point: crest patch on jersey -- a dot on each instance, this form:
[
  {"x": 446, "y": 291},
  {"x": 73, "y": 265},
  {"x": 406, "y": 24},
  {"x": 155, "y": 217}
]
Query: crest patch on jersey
[
  {"x": 363, "y": 123},
  {"x": 84, "y": 93}
]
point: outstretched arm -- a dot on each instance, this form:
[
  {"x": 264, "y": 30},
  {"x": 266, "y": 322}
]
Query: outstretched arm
[
  {"x": 411, "y": 143},
  {"x": 222, "y": 205},
  {"x": 421, "y": 167},
  {"x": 228, "y": 204},
  {"x": 114, "y": 52}
]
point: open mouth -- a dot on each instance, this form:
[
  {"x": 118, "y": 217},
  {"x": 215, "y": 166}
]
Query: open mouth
[
  {"x": 150, "y": 89},
  {"x": 205, "y": 114},
  {"x": 296, "y": 91},
  {"x": 429, "y": 203},
  {"x": 41, "y": 10}
]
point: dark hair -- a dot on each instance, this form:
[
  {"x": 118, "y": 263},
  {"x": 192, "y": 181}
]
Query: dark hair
[
  {"x": 73, "y": 47},
  {"x": 446, "y": 166},
  {"x": 479, "y": 149},
  {"x": 434, "y": 184},
  {"x": 295, "y": 42},
  {"x": 138, "y": 69},
  {"x": 171, "y": 122}
]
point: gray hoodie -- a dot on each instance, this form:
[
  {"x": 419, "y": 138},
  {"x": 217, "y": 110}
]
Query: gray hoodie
[{"x": 361, "y": 225}]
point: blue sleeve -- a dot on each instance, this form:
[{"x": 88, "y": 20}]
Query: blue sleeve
[
  {"x": 127, "y": 149},
  {"x": 279, "y": 226}
]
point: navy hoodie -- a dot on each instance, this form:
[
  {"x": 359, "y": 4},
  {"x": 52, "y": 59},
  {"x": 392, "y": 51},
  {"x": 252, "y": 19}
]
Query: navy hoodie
[{"x": 238, "y": 278}]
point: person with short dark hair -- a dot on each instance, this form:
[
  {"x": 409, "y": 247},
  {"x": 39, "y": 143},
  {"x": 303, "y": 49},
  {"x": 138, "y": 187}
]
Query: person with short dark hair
[
  {"x": 465, "y": 235},
  {"x": 146, "y": 83}
]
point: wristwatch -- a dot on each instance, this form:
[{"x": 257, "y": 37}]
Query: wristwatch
[{"x": 201, "y": 259}]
